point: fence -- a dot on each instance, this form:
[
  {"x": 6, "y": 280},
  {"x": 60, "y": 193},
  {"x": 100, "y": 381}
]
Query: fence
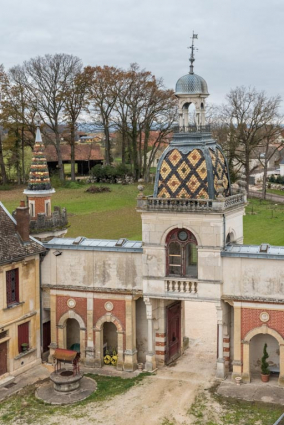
[{"x": 269, "y": 196}]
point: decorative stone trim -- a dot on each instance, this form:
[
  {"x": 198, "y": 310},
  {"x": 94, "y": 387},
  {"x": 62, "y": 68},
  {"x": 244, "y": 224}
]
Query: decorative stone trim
[
  {"x": 181, "y": 286},
  {"x": 25, "y": 353}
]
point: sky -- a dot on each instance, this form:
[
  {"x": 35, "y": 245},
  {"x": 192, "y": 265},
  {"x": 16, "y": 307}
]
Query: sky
[{"x": 239, "y": 42}]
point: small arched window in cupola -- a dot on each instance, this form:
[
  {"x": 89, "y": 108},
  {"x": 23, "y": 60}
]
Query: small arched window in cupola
[{"x": 182, "y": 255}]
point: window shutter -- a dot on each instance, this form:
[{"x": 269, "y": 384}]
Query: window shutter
[{"x": 23, "y": 335}]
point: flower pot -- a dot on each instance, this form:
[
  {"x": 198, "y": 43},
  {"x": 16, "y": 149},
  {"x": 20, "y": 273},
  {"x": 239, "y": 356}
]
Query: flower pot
[
  {"x": 264, "y": 378},
  {"x": 25, "y": 346},
  {"x": 238, "y": 380}
]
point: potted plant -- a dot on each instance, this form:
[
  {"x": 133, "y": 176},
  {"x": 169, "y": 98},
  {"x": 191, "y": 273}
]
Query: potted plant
[
  {"x": 265, "y": 372},
  {"x": 25, "y": 346}
]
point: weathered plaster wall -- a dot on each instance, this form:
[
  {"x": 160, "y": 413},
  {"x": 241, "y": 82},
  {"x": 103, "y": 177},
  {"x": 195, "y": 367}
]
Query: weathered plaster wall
[
  {"x": 253, "y": 277},
  {"x": 93, "y": 269}
]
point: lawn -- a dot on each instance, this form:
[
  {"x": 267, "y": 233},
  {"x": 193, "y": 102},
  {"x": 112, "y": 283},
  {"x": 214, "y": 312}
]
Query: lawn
[
  {"x": 112, "y": 215},
  {"x": 24, "y": 408},
  {"x": 211, "y": 409}
]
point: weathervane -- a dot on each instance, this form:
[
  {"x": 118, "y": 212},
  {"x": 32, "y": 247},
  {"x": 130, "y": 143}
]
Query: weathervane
[{"x": 192, "y": 59}]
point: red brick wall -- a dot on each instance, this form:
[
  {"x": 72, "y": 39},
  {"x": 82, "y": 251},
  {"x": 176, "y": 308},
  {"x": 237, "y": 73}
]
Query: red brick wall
[
  {"x": 80, "y": 308},
  {"x": 39, "y": 204},
  {"x": 118, "y": 310},
  {"x": 251, "y": 320}
]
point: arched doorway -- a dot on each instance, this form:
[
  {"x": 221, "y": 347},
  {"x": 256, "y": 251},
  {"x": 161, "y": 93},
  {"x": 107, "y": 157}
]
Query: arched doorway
[
  {"x": 72, "y": 335},
  {"x": 109, "y": 337},
  {"x": 256, "y": 352}
]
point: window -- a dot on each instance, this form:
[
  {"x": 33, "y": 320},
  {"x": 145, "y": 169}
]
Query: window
[
  {"x": 47, "y": 208},
  {"x": 181, "y": 253},
  {"x": 23, "y": 337},
  {"x": 12, "y": 286},
  {"x": 32, "y": 208}
]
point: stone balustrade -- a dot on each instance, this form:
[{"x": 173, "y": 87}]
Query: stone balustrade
[
  {"x": 186, "y": 205},
  {"x": 181, "y": 286}
]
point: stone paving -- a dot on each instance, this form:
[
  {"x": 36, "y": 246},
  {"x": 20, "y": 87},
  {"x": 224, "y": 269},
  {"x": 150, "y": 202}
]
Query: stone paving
[{"x": 256, "y": 390}]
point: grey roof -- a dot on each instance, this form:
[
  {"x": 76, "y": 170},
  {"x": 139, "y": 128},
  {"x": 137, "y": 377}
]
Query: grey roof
[
  {"x": 12, "y": 248},
  {"x": 191, "y": 84},
  {"x": 254, "y": 251},
  {"x": 81, "y": 243}
]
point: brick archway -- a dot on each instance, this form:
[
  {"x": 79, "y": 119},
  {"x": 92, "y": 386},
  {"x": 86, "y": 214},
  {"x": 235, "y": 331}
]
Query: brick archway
[
  {"x": 61, "y": 326},
  {"x": 98, "y": 328},
  {"x": 264, "y": 329}
]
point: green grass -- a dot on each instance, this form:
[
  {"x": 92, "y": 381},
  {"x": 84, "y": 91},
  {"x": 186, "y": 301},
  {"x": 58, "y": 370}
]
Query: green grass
[
  {"x": 112, "y": 215},
  {"x": 25, "y": 408},
  {"x": 109, "y": 215},
  {"x": 264, "y": 222},
  {"x": 212, "y": 409},
  {"x": 275, "y": 191}
]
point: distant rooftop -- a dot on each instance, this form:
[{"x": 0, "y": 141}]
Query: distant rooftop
[
  {"x": 254, "y": 251},
  {"x": 82, "y": 243}
]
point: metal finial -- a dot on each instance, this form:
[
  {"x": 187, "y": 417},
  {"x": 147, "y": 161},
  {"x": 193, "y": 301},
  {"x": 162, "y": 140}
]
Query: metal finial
[{"x": 192, "y": 59}]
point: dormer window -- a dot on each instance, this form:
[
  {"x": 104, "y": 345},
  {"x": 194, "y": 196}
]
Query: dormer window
[{"x": 181, "y": 253}]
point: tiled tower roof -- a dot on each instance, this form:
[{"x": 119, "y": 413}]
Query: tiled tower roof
[
  {"x": 39, "y": 175},
  {"x": 192, "y": 167}
]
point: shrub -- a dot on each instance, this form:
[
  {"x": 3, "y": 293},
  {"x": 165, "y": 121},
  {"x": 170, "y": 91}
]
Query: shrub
[
  {"x": 108, "y": 173},
  {"x": 264, "y": 365}
]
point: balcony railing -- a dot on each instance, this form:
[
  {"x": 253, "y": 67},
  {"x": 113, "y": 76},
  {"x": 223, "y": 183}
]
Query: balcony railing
[
  {"x": 185, "y": 205},
  {"x": 181, "y": 286},
  {"x": 192, "y": 129}
]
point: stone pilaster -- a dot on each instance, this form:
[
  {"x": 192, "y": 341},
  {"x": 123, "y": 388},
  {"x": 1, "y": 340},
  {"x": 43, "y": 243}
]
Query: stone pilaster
[{"x": 150, "y": 356}]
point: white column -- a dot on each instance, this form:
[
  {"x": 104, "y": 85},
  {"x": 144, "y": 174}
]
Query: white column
[
  {"x": 185, "y": 118},
  {"x": 220, "y": 361},
  {"x": 150, "y": 356}
]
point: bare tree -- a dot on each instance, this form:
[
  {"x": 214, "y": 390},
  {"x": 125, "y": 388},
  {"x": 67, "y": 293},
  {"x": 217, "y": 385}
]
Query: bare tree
[
  {"x": 247, "y": 114},
  {"x": 102, "y": 97},
  {"x": 47, "y": 78},
  {"x": 75, "y": 102},
  {"x": 270, "y": 145}
]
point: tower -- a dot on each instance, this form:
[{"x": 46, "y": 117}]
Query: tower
[
  {"x": 44, "y": 224},
  {"x": 191, "y": 89},
  {"x": 185, "y": 226}
]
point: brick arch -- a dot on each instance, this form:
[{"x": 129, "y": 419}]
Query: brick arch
[
  {"x": 70, "y": 314},
  {"x": 170, "y": 229},
  {"x": 264, "y": 329},
  {"x": 109, "y": 318}
]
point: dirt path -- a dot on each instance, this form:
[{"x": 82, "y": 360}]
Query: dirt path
[{"x": 165, "y": 397}]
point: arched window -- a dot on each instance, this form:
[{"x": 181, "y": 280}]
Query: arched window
[{"x": 181, "y": 253}]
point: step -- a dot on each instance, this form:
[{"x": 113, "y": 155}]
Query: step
[{"x": 6, "y": 381}]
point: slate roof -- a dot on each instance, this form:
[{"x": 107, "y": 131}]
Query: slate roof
[
  {"x": 254, "y": 251},
  {"x": 82, "y": 243},
  {"x": 11, "y": 246},
  {"x": 83, "y": 152}
]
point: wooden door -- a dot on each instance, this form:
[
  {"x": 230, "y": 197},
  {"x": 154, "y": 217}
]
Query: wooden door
[
  {"x": 46, "y": 336},
  {"x": 3, "y": 358},
  {"x": 173, "y": 332}
]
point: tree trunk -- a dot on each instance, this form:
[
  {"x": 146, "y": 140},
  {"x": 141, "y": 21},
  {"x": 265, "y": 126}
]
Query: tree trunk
[
  {"x": 59, "y": 156},
  {"x": 264, "y": 180},
  {"x": 72, "y": 145},
  {"x": 23, "y": 156},
  {"x": 2, "y": 164}
]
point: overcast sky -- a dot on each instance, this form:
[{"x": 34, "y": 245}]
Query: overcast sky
[{"x": 240, "y": 42}]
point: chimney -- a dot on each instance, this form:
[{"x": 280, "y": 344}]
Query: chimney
[{"x": 22, "y": 217}]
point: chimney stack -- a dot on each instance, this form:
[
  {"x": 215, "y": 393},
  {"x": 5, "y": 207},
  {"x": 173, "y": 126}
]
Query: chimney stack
[{"x": 22, "y": 217}]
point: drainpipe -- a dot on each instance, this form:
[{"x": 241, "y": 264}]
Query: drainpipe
[{"x": 224, "y": 230}]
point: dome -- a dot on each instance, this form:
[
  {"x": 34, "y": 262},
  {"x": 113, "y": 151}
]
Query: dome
[
  {"x": 191, "y": 84},
  {"x": 192, "y": 167}
]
